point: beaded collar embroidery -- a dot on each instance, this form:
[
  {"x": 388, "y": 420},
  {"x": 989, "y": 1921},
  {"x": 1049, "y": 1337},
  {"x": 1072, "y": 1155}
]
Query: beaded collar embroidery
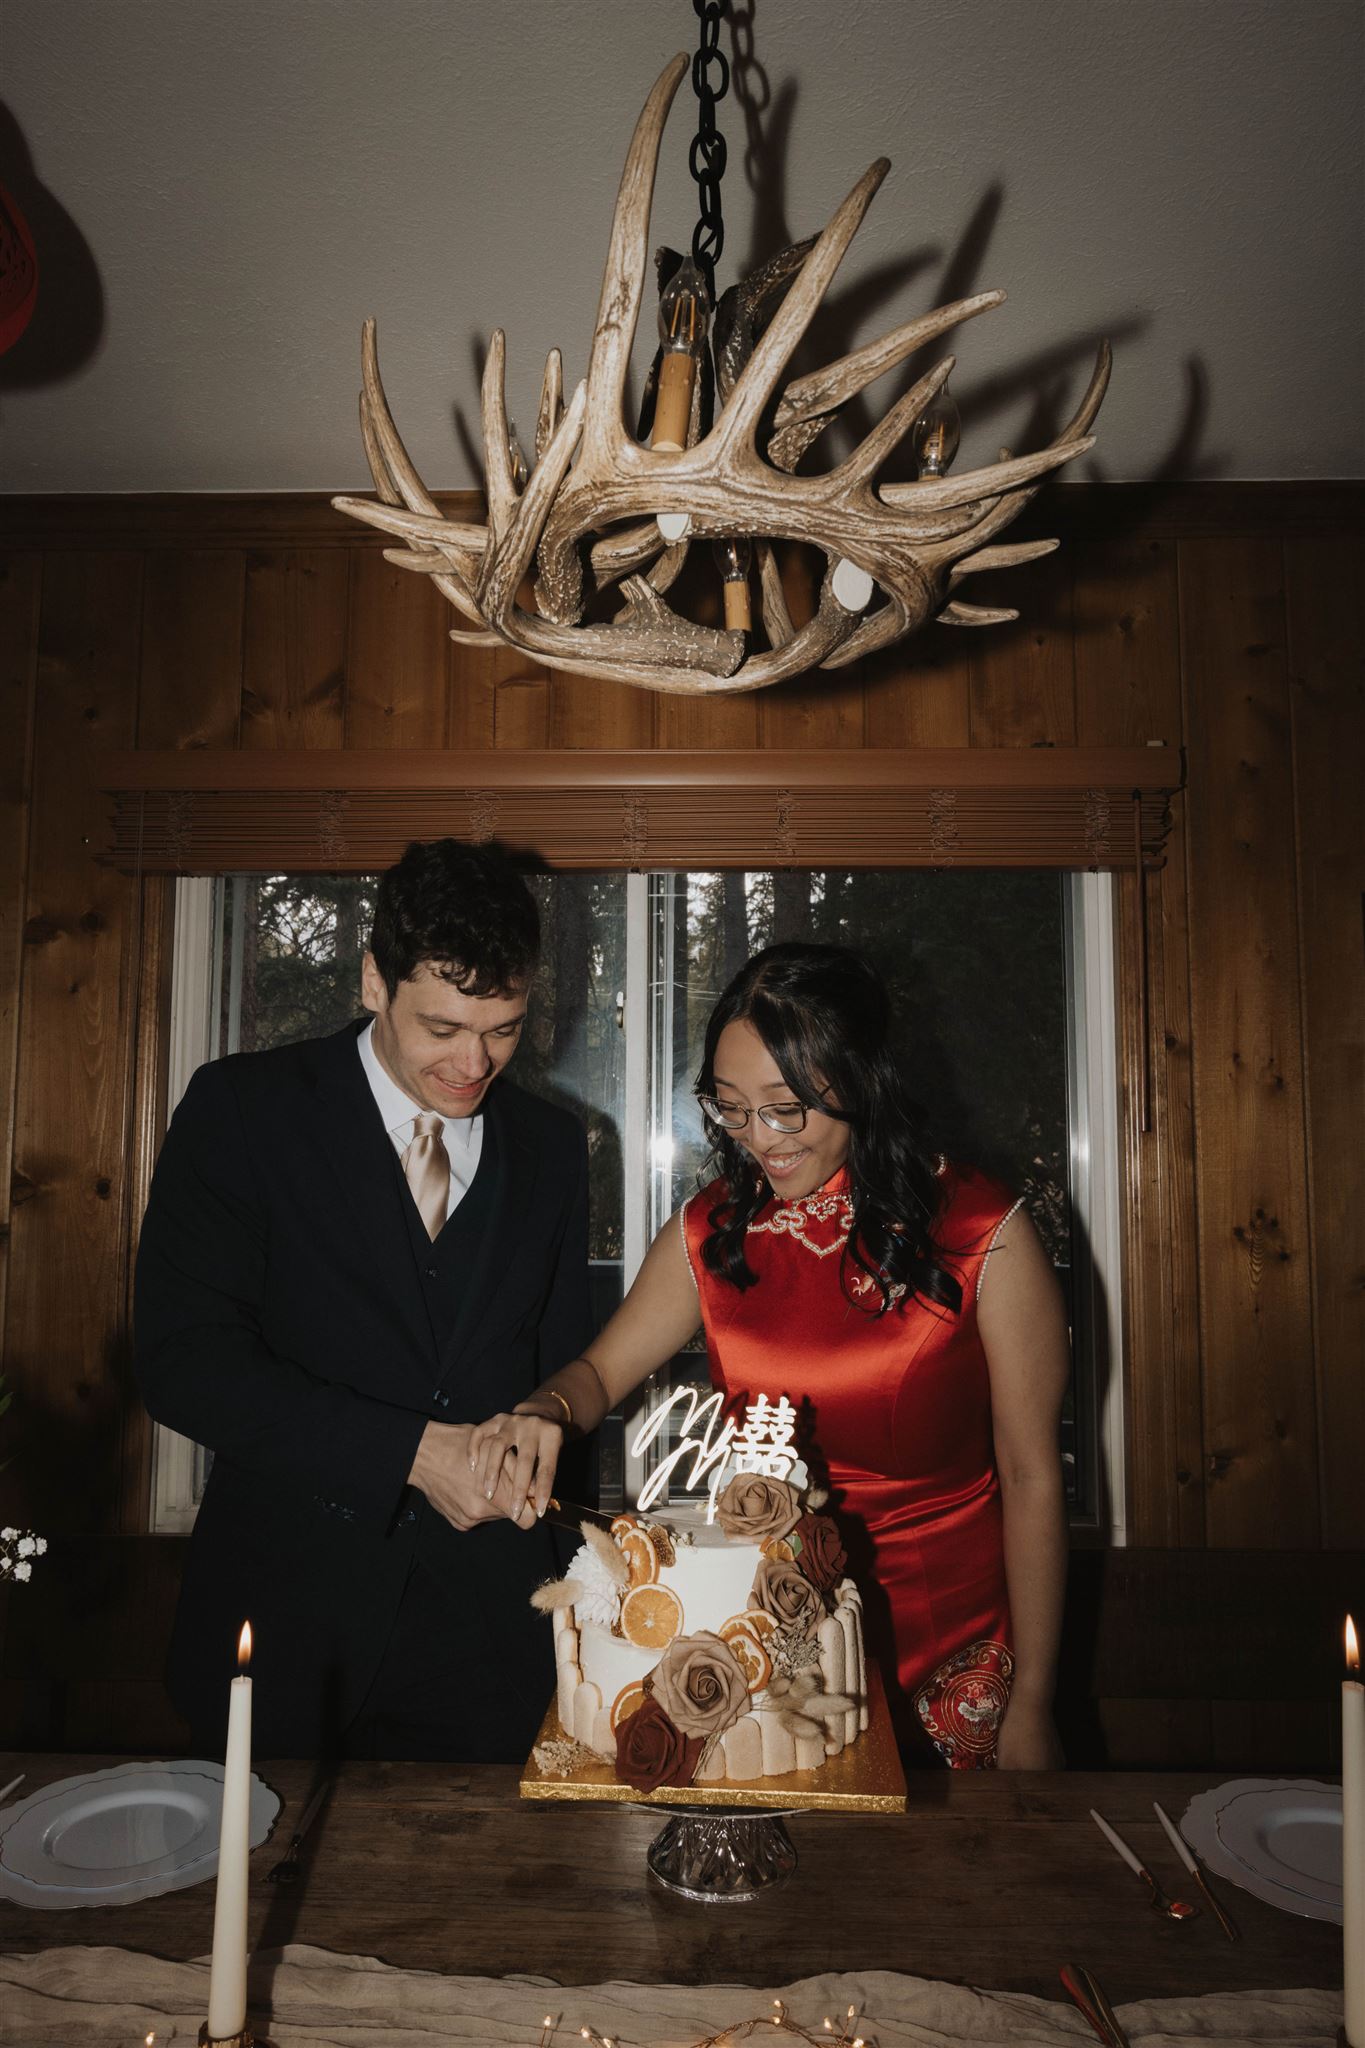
[
  {"x": 831, "y": 1204},
  {"x": 794, "y": 1219}
]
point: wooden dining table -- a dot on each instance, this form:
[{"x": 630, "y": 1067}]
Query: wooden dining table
[{"x": 991, "y": 1879}]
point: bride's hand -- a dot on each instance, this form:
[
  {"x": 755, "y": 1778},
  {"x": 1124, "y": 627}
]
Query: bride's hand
[{"x": 524, "y": 1446}]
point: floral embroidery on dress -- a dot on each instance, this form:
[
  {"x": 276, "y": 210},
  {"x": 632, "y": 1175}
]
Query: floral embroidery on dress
[
  {"x": 792, "y": 1219},
  {"x": 961, "y": 1707},
  {"x": 862, "y": 1284}
]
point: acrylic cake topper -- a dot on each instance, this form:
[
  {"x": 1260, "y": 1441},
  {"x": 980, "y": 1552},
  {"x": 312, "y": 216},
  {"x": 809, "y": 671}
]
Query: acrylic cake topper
[{"x": 762, "y": 1443}]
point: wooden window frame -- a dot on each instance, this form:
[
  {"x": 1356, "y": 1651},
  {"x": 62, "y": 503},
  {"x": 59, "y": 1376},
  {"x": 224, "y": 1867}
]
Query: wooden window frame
[{"x": 157, "y": 815}]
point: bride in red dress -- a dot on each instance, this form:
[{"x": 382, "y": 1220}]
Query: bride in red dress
[{"x": 905, "y": 1307}]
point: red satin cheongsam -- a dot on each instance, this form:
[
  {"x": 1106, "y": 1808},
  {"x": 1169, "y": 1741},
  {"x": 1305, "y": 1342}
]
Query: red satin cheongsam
[{"x": 896, "y": 1410}]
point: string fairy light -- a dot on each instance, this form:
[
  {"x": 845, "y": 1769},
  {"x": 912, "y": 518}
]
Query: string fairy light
[{"x": 779, "y": 2020}]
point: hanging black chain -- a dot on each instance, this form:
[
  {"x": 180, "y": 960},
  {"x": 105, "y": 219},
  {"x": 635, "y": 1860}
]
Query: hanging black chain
[{"x": 706, "y": 161}]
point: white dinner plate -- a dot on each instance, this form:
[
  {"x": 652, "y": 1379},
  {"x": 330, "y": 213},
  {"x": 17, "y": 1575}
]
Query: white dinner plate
[
  {"x": 1278, "y": 1838},
  {"x": 122, "y": 1834}
]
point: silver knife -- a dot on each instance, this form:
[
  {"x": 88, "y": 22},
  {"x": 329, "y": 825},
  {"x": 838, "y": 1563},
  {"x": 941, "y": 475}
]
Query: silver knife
[{"x": 568, "y": 1514}]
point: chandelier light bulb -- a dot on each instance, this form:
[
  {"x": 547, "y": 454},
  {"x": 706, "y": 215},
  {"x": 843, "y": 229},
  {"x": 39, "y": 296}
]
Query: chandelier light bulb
[
  {"x": 516, "y": 455},
  {"x": 733, "y": 559},
  {"x": 684, "y": 320},
  {"x": 936, "y": 435}
]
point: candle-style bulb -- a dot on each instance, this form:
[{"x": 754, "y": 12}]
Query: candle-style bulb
[
  {"x": 734, "y": 554},
  {"x": 684, "y": 320},
  {"x": 516, "y": 456},
  {"x": 936, "y": 434}
]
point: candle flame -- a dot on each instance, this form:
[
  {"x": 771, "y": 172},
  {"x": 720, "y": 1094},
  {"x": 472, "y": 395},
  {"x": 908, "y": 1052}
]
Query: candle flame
[
  {"x": 244, "y": 1646},
  {"x": 1352, "y": 1645}
]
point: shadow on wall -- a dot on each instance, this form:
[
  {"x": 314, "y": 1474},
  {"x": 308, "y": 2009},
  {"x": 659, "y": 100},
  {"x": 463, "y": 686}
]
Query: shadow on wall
[
  {"x": 68, "y": 320},
  {"x": 1047, "y": 379}
]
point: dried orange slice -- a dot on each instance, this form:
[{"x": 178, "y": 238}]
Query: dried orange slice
[
  {"x": 642, "y": 1559},
  {"x": 745, "y": 1636},
  {"x": 740, "y": 1624},
  {"x": 779, "y": 1548},
  {"x": 627, "y": 1702},
  {"x": 752, "y": 1659},
  {"x": 624, "y": 1522},
  {"x": 650, "y": 1617},
  {"x": 753, "y": 1623}
]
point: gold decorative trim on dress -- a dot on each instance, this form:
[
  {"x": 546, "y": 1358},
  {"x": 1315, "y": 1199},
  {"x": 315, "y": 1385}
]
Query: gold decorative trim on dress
[
  {"x": 791, "y": 1220},
  {"x": 995, "y": 1239},
  {"x": 687, "y": 1249}
]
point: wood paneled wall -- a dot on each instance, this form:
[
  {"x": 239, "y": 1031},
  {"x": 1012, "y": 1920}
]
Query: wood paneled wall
[{"x": 1225, "y": 618}]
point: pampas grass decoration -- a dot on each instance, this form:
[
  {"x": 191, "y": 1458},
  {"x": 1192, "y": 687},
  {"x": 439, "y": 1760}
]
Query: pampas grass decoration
[
  {"x": 601, "y": 1544},
  {"x": 556, "y": 1593},
  {"x": 798, "y": 1724}
]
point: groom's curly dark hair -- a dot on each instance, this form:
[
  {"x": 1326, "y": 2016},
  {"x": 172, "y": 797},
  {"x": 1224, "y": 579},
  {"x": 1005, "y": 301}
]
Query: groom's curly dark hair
[{"x": 464, "y": 911}]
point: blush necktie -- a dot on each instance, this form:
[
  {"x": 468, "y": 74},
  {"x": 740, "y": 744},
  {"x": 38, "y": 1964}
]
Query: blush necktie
[{"x": 426, "y": 1169}]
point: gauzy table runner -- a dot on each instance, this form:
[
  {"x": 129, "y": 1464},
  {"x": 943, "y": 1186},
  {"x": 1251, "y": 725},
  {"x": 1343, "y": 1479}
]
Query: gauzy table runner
[{"x": 113, "y": 1998}]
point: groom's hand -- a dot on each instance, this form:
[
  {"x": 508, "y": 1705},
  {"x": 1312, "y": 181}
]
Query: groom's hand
[{"x": 441, "y": 1470}]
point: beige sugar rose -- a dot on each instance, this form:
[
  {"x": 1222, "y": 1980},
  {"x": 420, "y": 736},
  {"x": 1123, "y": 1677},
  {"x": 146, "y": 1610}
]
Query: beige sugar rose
[
  {"x": 700, "y": 1685},
  {"x": 753, "y": 1508},
  {"x": 785, "y": 1592}
]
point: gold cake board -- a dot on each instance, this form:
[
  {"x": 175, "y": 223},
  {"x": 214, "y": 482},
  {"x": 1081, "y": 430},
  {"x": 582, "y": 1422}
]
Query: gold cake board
[{"x": 864, "y": 1778}]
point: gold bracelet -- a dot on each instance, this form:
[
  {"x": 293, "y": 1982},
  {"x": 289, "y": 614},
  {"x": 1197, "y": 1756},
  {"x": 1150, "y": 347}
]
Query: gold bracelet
[
  {"x": 555, "y": 1395},
  {"x": 601, "y": 1383}
]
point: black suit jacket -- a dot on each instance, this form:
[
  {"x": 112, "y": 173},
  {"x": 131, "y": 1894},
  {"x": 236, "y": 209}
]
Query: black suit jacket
[{"x": 287, "y": 1317}]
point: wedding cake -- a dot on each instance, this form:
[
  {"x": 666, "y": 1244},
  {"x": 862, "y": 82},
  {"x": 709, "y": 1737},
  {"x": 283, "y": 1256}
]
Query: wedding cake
[{"x": 728, "y": 1650}]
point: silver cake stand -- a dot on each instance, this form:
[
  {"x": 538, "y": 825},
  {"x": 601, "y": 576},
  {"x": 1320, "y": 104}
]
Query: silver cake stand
[
  {"x": 721, "y": 1855},
  {"x": 724, "y": 1844}
]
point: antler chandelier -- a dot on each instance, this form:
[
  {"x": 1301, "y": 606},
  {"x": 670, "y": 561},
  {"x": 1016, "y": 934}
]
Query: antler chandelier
[{"x": 600, "y": 511}]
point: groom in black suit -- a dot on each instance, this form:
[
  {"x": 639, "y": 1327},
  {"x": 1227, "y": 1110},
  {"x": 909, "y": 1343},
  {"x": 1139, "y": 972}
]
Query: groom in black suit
[{"x": 355, "y": 1248}]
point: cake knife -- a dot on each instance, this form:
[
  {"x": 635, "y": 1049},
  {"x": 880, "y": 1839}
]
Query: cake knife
[
  {"x": 1196, "y": 1870},
  {"x": 568, "y": 1514}
]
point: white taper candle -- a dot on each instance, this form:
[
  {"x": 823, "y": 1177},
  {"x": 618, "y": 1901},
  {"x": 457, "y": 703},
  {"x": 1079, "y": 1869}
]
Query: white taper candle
[
  {"x": 1353, "y": 1844},
  {"x": 227, "y": 1971}
]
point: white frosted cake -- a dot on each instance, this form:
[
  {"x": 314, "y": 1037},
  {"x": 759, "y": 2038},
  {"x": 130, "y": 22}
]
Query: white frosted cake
[{"x": 731, "y": 1651}]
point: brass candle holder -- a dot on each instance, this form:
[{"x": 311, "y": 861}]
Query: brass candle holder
[{"x": 246, "y": 2039}]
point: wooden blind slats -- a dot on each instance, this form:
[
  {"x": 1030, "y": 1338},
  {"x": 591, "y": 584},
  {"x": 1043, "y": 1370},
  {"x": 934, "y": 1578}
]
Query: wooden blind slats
[{"x": 955, "y": 808}]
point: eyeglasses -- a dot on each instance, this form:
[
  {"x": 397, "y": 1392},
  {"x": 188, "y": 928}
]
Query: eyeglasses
[{"x": 788, "y": 1117}]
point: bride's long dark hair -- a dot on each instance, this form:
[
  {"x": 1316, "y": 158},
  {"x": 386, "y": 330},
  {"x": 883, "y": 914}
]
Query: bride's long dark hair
[{"x": 824, "y": 1015}]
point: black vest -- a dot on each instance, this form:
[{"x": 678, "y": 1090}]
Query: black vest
[{"x": 446, "y": 1263}]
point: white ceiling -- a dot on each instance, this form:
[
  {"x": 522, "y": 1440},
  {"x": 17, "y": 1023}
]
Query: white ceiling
[{"x": 223, "y": 189}]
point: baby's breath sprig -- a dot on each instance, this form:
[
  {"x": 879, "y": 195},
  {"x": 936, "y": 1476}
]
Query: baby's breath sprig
[{"x": 18, "y": 1548}]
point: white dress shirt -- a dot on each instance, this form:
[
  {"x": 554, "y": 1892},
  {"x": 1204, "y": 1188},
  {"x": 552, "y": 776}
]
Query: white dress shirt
[{"x": 462, "y": 1136}]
